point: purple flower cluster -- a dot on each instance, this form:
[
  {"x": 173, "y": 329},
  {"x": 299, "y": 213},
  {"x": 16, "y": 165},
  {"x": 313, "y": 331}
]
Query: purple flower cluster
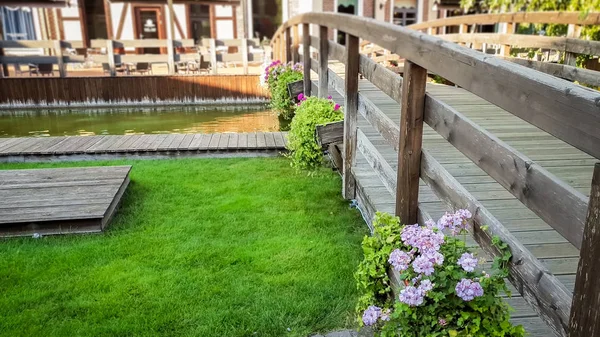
[
  {"x": 414, "y": 296},
  {"x": 371, "y": 315},
  {"x": 297, "y": 67},
  {"x": 468, "y": 262},
  {"x": 468, "y": 289},
  {"x": 423, "y": 238},
  {"x": 456, "y": 222},
  {"x": 270, "y": 67},
  {"x": 423, "y": 265},
  {"x": 400, "y": 260}
]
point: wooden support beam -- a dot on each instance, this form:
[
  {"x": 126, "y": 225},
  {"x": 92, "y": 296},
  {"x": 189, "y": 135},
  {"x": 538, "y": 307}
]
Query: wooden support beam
[
  {"x": 245, "y": 55},
  {"x": 108, "y": 18},
  {"x": 213, "y": 56},
  {"x": 4, "y": 72},
  {"x": 288, "y": 44},
  {"x": 411, "y": 139},
  {"x": 306, "y": 57},
  {"x": 573, "y": 31},
  {"x": 585, "y": 310},
  {"x": 170, "y": 51},
  {"x": 110, "y": 53},
  {"x": 509, "y": 28},
  {"x": 295, "y": 44},
  {"x": 350, "y": 115},
  {"x": 59, "y": 58},
  {"x": 323, "y": 62}
]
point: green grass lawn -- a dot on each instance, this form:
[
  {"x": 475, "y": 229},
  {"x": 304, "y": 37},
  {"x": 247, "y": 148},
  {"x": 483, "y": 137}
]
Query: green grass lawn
[{"x": 199, "y": 247}]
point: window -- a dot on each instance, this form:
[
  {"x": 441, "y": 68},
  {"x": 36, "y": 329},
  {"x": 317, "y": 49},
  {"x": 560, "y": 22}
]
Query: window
[
  {"x": 18, "y": 23},
  {"x": 405, "y": 16},
  {"x": 200, "y": 22}
]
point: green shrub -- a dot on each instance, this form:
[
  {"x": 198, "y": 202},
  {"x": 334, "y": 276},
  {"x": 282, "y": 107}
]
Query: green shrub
[
  {"x": 443, "y": 291},
  {"x": 278, "y": 76},
  {"x": 305, "y": 152}
]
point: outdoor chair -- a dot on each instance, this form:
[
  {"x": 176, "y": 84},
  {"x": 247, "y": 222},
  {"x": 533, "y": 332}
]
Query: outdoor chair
[
  {"x": 119, "y": 68},
  {"x": 204, "y": 65},
  {"x": 181, "y": 67},
  {"x": 192, "y": 67},
  {"x": 143, "y": 68},
  {"x": 45, "y": 69}
]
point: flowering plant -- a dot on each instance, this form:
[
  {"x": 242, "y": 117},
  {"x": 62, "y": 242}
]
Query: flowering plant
[
  {"x": 303, "y": 148},
  {"x": 277, "y": 76},
  {"x": 442, "y": 291}
]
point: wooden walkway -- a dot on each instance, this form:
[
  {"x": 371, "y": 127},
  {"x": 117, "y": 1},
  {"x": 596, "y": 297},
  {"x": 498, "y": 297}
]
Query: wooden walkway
[
  {"x": 60, "y": 201},
  {"x": 566, "y": 162},
  {"x": 155, "y": 144}
]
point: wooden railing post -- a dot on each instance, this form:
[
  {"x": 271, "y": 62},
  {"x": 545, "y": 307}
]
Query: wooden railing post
[
  {"x": 245, "y": 55},
  {"x": 509, "y": 28},
  {"x": 350, "y": 114},
  {"x": 288, "y": 44},
  {"x": 306, "y": 57},
  {"x": 110, "y": 53},
  {"x": 213, "y": 55},
  {"x": 411, "y": 139},
  {"x": 170, "y": 57},
  {"x": 573, "y": 32},
  {"x": 463, "y": 29},
  {"x": 59, "y": 57},
  {"x": 323, "y": 62},
  {"x": 295, "y": 45},
  {"x": 585, "y": 310}
]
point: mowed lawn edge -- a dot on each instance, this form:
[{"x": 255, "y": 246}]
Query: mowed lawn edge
[{"x": 199, "y": 247}]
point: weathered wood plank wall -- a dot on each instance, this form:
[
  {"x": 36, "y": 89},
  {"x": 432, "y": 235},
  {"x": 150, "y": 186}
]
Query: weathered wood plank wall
[{"x": 130, "y": 88}]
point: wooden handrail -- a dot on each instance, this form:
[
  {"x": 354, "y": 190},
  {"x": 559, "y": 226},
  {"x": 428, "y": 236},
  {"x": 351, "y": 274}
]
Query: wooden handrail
[
  {"x": 577, "y": 18},
  {"x": 566, "y": 110}
]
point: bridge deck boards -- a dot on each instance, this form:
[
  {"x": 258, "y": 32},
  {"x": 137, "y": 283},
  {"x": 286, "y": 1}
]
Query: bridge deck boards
[
  {"x": 561, "y": 159},
  {"x": 60, "y": 201},
  {"x": 148, "y": 144}
]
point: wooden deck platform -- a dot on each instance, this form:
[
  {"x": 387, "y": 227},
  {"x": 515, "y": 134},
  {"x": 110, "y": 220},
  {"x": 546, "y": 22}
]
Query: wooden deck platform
[
  {"x": 569, "y": 164},
  {"x": 60, "y": 201},
  {"x": 89, "y": 147}
]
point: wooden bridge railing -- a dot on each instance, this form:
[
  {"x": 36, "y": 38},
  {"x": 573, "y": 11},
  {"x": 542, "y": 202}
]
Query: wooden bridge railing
[
  {"x": 468, "y": 27},
  {"x": 207, "y": 47},
  {"x": 568, "y": 111}
]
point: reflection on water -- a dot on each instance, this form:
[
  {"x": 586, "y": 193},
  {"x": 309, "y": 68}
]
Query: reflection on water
[{"x": 126, "y": 121}]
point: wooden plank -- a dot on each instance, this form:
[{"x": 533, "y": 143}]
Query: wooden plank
[
  {"x": 223, "y": 141},
  {"x": 411, "y": 138},
  {"x": 270, "y": 140},
  {"x": 252, "y": 140},
  {"x": 214, "y": 141},
  {"x": 323, "y": 62},
  {"x": 586, "y": 297},
  {"x": 185, "y": 143},
  {"x": 542, "y": 290},
  {"x": 242, "y": 141},
  {"x": 279, "y": 140},
  {"x": 350, "y": 115},
  {"x": 205, "y": 143},
  {"x": 260, "y": 141},
  {"x": 526, "y": 180},
  {"x": 176, "y": 141},
  {"x": 233, "y": 141},
  {"x": 288, "y": 45},
  {"x": 306, "y": 57},
  {"x": 295, "y": 44},
  {"x": 195, "y": 143}
]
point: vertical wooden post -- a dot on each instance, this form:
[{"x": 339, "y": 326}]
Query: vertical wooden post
[
  {"x": 306, "y": 57},
  {"x": 295, "y": 45},
  {"x": 59, "y": 57},
  {"x": 275, "y": 48},
  {"x": 463, "y": 29},
  {"x": 573, "y": 32},
  {"x": 110, "y": 53},
  {"x": 429, "y": 31},
  {"x": 323, "y": 62},
  {"x": 213, "y": 56},
  {"x": 411, "y": 138},
  {"x": 108, "y": 18},
  {"x": 585, "y": 309},
  {"x": 350, "y": 115},
  {"x": 4, "y": 66},
  {"x": 170, "y": 51},
  {"x": 288, "y": 44},
  {"x": 509, "y": 28},
  {"x": 245, "y": 55}
]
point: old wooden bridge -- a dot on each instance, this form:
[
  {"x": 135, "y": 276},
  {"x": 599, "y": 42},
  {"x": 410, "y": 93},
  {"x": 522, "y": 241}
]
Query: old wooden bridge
[{"x": 514, "y": 145}]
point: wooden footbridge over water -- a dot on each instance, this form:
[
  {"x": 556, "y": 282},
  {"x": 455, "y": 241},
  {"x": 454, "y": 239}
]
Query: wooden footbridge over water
[{"x": 515, "y": 146}]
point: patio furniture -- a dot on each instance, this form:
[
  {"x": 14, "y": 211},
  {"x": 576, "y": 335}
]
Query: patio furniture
[
  {"x": 44, "y": 69},
  {"x": 204, "y": 65},
  {"x": 181, "y": 68},
  {"x": 119, "y": 68},
  {"x": 143, "y": 68},
  {"x": 192, "y": 67}
]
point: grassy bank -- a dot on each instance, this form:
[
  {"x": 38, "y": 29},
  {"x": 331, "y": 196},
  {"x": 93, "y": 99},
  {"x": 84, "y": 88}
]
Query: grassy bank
[{"x": 200, "y": 247}]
